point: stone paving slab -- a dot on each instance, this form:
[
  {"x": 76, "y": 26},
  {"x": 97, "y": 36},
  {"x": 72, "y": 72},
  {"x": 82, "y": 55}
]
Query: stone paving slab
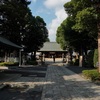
[
  {"x": 7, "y": 77},
  {"x": 23, "y": 88},
  {"x": 61, "y": 83},
  {"x": 14, "y": 70},
  {"x": 29, "y": 81}
]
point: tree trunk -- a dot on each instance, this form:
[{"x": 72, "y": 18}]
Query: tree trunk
[{"x": 70, "y": 54}]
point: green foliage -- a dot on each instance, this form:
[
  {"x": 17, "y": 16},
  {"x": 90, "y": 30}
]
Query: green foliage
[
  {"x": 20, "y": 26},
  {"x": 95, "y": 59},
  {"x": 76, "y": 62},
  {"x": 66, "y": 36},
  {"x": 84, "y": 28},
  {"x": 13, "y": 20},
  {"x": 47, "y": 40},
  {"x": 69, "y": 8},
  {"x": 36, "y": 35},
  {"x": 8, "y": 64},
  {"x": 86, "y": 20},
  {"x": 31, "y": 62},
  {"x": 89, "y": 59},
  {"x": 60, "y": 36},
  {"x": 92, "y": 74},
  {"x": 85, "y": 16}
]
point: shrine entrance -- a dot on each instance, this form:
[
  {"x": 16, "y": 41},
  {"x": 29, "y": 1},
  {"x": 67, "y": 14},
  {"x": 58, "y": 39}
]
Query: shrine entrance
[{"x": 52, "y": 51}]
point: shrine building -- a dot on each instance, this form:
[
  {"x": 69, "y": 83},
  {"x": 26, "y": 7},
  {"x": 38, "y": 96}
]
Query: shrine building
[{"x": 51, "y": 49}]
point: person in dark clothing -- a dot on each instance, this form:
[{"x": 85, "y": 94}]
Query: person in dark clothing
[{"x": 54, "y": 58}]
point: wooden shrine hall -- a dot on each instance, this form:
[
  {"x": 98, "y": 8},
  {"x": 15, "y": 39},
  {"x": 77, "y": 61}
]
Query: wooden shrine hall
[{"x": 51, "y": 49}]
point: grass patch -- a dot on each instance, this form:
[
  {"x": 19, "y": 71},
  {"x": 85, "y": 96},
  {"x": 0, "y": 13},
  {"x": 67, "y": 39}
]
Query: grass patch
[
  {"x": 91, "y": 74},
  {"x": 9, "y": 64}
]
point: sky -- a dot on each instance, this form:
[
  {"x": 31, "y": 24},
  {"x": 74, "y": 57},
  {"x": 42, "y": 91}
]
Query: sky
[{"x": 53, "y": 13}]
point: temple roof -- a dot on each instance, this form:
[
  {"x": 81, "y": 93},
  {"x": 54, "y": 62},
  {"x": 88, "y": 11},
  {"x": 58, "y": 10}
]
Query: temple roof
[
  {"x": 9, "y": 43},
  {"x": 51, "y": 46}
]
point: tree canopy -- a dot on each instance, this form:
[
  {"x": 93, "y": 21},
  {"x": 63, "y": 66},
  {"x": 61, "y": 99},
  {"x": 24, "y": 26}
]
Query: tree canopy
[
  {"x": 36, "y": 35},
  {"x": 84, "y": 15},
  {"x": 79, "y": 30},
  {"x": 12, "y": 13},
  {"x": 67, "y": 37},
  {"x": 19, "y": 25}
]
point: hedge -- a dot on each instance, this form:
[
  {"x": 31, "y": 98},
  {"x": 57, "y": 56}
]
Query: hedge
[
  {"x": 89, "y": 59},
  {"x": 31, "y": 62},
  {"x": 92, "y": 74},
  {"x": 9, "y": 64},
  {"x": 76, "y": 62}
]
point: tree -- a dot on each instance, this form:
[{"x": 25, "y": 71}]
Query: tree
[
  {"x": 60, "y": 39},
  {"x": 36, "y": 35},
  {"x": 47, "y": 40},
  {"x": 12, "y": 13},
  {"x": 66, "y": 36},
  {"x": 86, "y": 20},
  {"x": 19, "y": 26},
  {"x": 84, "y": 15}
]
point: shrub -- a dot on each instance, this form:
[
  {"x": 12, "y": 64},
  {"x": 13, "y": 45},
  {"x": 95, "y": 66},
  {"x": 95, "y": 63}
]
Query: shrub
[
  {"x": 89, "y": 59},
  {"x": 8, "y": 64},
  {"x": 95, "y": 59},
  {"x": 31, "y": 62},
  {"x": 76, "y": 62},
  {"x": 93, "y": 74}
]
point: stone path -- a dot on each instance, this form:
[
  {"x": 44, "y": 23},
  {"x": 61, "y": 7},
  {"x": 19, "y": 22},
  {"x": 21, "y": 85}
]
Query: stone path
[
  {"x": 63, "y": 84},
  {"x": 23, "y": 88},
  {"x": 60, "y": 83},
  {"x": 28, "y": 86}
]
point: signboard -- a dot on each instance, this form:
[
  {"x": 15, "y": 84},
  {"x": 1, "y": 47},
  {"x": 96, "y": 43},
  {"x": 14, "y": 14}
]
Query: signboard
[
  {"x": 52, "y": 52},
  {"x": 98, "y": 64}
]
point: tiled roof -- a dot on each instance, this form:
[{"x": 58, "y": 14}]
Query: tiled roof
[
  {"x": 51, "y": 46},
  {"x": 7, "y": 42}
]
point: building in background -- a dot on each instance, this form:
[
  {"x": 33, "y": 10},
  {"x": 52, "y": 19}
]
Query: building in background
[
  {"x": 52, "y": 49},
  {"x": 9, "y": 52}
]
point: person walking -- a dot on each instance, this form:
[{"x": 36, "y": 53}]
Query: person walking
[{"x": 54, "y": 58}]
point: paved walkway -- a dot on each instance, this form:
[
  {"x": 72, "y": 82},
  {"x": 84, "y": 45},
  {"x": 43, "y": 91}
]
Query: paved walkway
[
  {"x": 60, "y": 83},
  {"x": 63, "y": 84}
]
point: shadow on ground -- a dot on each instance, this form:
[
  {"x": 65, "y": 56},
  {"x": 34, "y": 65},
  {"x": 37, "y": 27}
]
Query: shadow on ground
[{"x": 77, "y": 69}]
